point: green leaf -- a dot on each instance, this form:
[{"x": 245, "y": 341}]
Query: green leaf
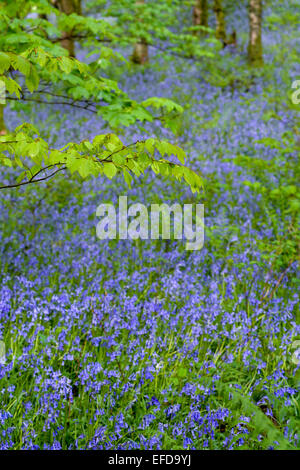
[
  {"x": 32, "y": 80},
  {"x": 127, "y": 177},
  {"x": 149, "y": 144},
  {"x": 4, "y": 62},
  {"x": 118, "y": 159},
  {"x": 109, "y": 170},
  {"x": 66, "y": 64},
  {"x": 21, "y": 64}
]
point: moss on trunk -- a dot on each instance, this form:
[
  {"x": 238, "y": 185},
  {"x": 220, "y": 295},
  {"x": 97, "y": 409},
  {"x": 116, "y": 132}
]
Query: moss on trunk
[
  {"x": 68, "y": 7},
  {"x": 255, "y": 52},
  {"x": 140, "y": 53},
  {"x": 220, "y": 21},
  {"x": 3, "y": 129},
  {"x": 200, "y": 14}
]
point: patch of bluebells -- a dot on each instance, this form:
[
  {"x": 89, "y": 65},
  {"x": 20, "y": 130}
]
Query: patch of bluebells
[{"x": 128, "y": 346}]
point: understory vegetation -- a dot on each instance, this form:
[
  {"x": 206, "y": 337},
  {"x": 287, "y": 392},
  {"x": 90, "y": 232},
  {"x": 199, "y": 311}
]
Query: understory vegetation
[{"x": 141, "y": 344}]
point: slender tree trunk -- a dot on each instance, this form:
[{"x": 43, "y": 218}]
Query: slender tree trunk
[
  {"x": 255, "y": 53},
  {"x": 68, "y": 7},
  {"x": 140, "y": 53},
  {"x": 220, "y": 21},
  {"x": 3, "y": 129},
  {"x": 200, "y": 13},
  {"x": 77, "y": 5}
]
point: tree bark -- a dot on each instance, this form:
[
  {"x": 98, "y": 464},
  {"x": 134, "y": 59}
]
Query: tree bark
[
  {"x": 220, "y": 21},
  {"x": 255, "y": 53},
  {"x": 3, "y": 129},
  {"x": 200, "y": 14},
  {"x": 68, "y": 7},
  {"x": 77, "y": 6},
  {"x": 140, "y": 53}
]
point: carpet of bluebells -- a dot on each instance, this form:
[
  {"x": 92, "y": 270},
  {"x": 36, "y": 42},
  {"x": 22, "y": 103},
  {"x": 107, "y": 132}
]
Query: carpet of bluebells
[{"x": 142, "y": 344}]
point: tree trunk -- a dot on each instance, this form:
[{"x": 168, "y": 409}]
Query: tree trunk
[
  {"x": 255, "y": 54},
  {"x": 220, "y": 21},
  {"x": 68, "y": 7},
  {"x": 3, "y": 129},
  {"x": 200, "y": 13},
  {"x": 77, "y": 6},
  {"x": 140, "y": 53}
]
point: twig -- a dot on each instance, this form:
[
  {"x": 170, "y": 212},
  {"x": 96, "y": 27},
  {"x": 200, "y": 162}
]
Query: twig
[{"x": 31, "y": 181}]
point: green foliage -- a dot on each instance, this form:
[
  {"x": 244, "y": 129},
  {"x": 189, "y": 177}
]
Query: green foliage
[
  {"x": 156, "y": 23},
  {"x": 269, "y": 171},
  {"x": 30, "y": 52},
  {"x": 106, "y": 154},
  {"x": 277, "y": 194}
]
